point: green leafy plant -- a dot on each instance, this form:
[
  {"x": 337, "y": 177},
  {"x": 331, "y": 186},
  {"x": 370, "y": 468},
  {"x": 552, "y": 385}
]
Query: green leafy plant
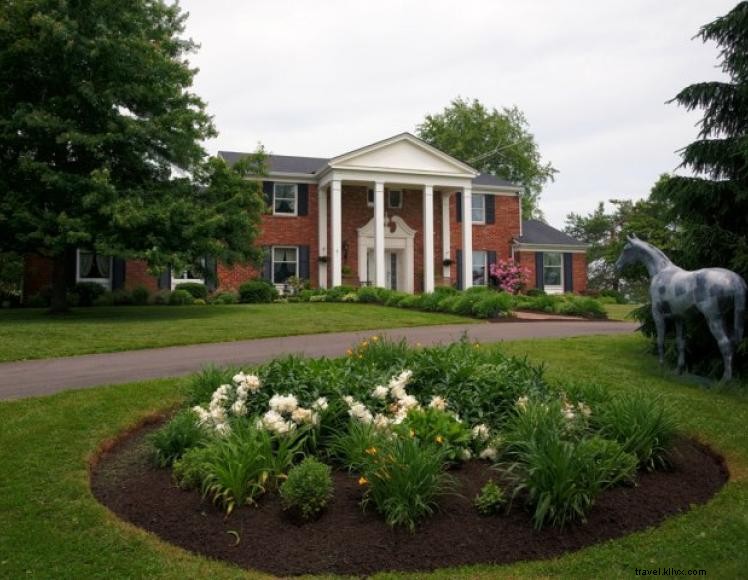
[
  {"x": 191, "y": 469},
  {"x": 404, "y": 480},
  {"x": 224, "y": 298},
  {"x": 493, "y": 305},
  {"x": 257, "y": 292},
  {"x": 438, "y": 428},
  {"x": 140, "y": 295},
  {"x": 308, "y": 488},
  {"x": 180, "y": 434},
  {"x": 641, "y": 424},
  {"x": 180, "y": 298},
  {"x": 196, "y": 289},
  {"x": 490, "y": 500},
  {"x": 353, "y": 447},
  {"x": 122, "y": 297},
  {"x": 88, "y": 292}
]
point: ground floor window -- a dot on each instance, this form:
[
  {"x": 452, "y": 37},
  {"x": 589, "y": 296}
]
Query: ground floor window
[
  {"x": 285, "y": 263},
  {"x": 188, "y": 275},
  {"x": 553, "y": 271},
  {"x": 480, "y": 268},
  {"x": 93, "y": 267}
]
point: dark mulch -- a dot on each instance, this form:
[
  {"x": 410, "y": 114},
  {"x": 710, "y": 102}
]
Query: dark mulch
[{"x": 348, "y": 541}]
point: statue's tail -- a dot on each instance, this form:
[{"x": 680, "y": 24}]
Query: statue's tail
[{"x": 739, "y": 313}]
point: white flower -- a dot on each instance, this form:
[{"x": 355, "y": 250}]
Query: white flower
[
  {"x": 242, "y": 392},
  {"x": 465, "y": 454},
  {"x": 381, "y": 422},
  {"x": 218, "y": 414},
  {"x": 522, "y": 403},
  {"x": 360, "y": 412},
  {"x": 283, "y": 403},
  {"x": 203, "y": 417},
  {"x": 239, "y": 408},
  {"x": 489, "y": 453},
  {"x": 584, "y": 409},
  {"x": 320, "y": 404},
  {"x": 252, "y": 382},
  {"x": 221, "y": 393},
  {"x": 400, "y": 416},
  {"x": 223, "y": 428},
  {"x": 348, "y": 400},
  {"x": 398, "y": 391},
  {"x": 270, "y": 418},
  {"x": 239, "y": 378},
  {"x": 481, "y": 432},
  {"x": 301, "y": 415},
  {"x": 438, "y": 403},
  {"x": 380, "y": 392},
  {"x": 568, "y": 413},
  {"x": 409, "y": 402}
]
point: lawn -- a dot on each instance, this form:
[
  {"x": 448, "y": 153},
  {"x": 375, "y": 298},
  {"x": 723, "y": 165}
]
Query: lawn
[
  {"x": 50, "y": 526},
  {"x": 620, "y": 311},
  {"x": 33, "y": 334}
]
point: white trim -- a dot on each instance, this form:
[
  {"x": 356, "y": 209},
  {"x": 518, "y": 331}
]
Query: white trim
[
  {"x": 322, "y": 235},
  {"x": 389, "y": 198},
  {"x": 379, "y": 265},
  {"x": 336, "y": 236},
  {"x": 554, "y": 288},
  {"x": 272, "y": 262},
  {"x": 106, "y": 282},
  {"x": 485, "y": 266},
  {"x": 295, "y": 200},
  {"x": 551, "y": 248},
  {"x": 510, "y": 190},
  {"x": 446, "y": 234},
  {"x": 428, "y": 238},
  {"x": 403, "y": 238},
  {"x": 467, "y": 238},
  {"x": 288, "y": 178}
]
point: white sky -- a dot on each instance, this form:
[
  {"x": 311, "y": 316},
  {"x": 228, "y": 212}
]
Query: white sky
[{"x": 324, "y": 77}]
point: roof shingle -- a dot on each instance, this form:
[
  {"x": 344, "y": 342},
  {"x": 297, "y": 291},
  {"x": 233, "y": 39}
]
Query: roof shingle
[{"x": 537, "y": 232}]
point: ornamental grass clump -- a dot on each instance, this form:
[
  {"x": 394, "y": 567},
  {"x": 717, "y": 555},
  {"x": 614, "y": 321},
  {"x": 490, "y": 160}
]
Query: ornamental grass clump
[
  {"x": 404, "y": 480},
  {"x": 180, "y": 434},
  {"x": 308, "y": 489}
]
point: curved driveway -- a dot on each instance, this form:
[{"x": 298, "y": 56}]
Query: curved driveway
[{"x": 48, "y": 376}]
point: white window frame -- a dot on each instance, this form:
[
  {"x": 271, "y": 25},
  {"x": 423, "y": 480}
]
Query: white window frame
[
  {"x": 106, "y": 282},
  {"x": 180, "y": 280},
  {"x": 273, "y": 262},
  {"x": 485, "y": 267},
  {"x": 554, "y": 288},
  {"x": 295, "y": 187},
  {"x": 481, "y": 206},
  {"x": 389, "y": 198}
]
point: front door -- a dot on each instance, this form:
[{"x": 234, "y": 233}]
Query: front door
[{"x": 391, "y": 268}]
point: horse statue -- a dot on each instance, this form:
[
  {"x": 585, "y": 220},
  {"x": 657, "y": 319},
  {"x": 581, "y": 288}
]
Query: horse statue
[{"x": 674, "y": 290}]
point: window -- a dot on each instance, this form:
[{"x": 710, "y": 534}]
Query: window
[
  {"x": 285, "y": 263},
  {"x": 480, "y": 268},
  {"x": 370, "y": 198},
  {"x": 395, "y": 198},
  {"x": 92, "y": 267},
  {"x": 188, "y": 275},
  {"x": 284, "y": 198},
  {"x": 553, "y": 271},
  {"x": 479, "y": 208}
]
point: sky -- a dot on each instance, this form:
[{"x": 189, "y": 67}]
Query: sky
[{"x": 592, "y": 77}]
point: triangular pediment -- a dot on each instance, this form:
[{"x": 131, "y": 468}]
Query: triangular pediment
[{"x": 403, "y": 154}]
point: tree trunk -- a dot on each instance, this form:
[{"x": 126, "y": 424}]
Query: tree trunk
[{"x": 59, "y": 285}]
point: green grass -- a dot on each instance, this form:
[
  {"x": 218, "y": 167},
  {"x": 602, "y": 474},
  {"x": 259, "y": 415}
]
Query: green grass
[
  {"x": 51, "y": 527},
  {"x": 33, "y": 334},
  {"x": 620, "y": 311}
]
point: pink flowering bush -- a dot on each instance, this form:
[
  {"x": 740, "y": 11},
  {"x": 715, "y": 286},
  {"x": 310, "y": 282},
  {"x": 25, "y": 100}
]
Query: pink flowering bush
[{"x": 509, "y": 277}]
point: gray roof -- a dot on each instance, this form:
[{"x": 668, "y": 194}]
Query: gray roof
[
  {"x": 311, "y": 165},
  {"x": 537, "y": 232}
]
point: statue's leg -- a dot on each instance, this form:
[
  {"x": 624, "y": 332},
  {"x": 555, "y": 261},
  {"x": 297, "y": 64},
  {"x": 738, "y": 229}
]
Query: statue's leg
[
  {"x": 723, "y": 341},
  {"x": 680, "y": 339},
  {"x": 659, "y": 320}
]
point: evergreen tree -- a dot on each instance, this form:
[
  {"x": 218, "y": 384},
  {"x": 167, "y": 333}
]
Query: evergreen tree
[
  {"x": 711, "y": 208},
  {"x": 100, "y": 140}
]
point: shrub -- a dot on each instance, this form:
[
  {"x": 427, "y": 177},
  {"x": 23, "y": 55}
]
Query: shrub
[
  {"x": 190, "y": 470},
  {"x": 106, "y": 299},
  {"x": 199, "y": 302},
  {"x": 352, "y": 297},
  {"x": 306, "y": 295},
  {"x": 581, "y": 306},
  {"x": 394, "y": 298},
  {"x": 162, "y": 297},
  {"x": 464, "y": 303},
  {"x": 88, "y": 292},
  {"x": 404, "y": 480},
  {"x": 224, "y": 298},
  {"x": 177, "y": 436},
  {"x": 492, "y": 305},
  {"x": 236, "y": 468},
  {"x": 197, "y": 289},
  {"x": 307, "y": 489},
  {"x": 641, "y": 425},
  {"x": 410, "y": 301},
  {"x": 490, "y": 500},
  {"x": 140, "y": 295},
  {"x": 369, "y": 295},
  {"x": 448, "y": 303},
  {"x": 122, "y": 297},
  {"x": 534, "y": 292},
  {"x": 336, "y": 293},
  {"x": 439, "y": 429},
  {"x": 40, "y": 300},
  {"x": 318, "y": 298},
  {"x": 257, "y": 292},
  {"x": 180, "y": 298}
]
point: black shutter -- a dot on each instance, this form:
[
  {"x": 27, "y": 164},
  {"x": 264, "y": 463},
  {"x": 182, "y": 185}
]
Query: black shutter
[
  {"x": 119, "y": 268},
  {"x": 458, "y": 201},
  {"x": 211, "y": 273},
  {"x": 304, "y": 262},
  {"x": 539, "y": 271},
  {"x": 71, "y": 266},
  {"x": 267, "y": 191},
  {"x": 303, "y": 199},
  {"x": 164, "y": 279},
  {"x": 490, "y": 259},
  {"x": 460, "y": 285},
  {"x": 490, "y": 208},
  {"x": 267, "y": 264},
  {"x": 568, "y": 273}
]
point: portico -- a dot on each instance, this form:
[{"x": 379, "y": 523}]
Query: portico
[{"x": 394, "y": 165}]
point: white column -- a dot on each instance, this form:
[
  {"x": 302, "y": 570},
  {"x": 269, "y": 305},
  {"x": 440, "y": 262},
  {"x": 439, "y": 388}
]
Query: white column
[
  {"x": 322, "y": 234},
  {"x": 337, "y": 233},
  {"x": 467, "y": 237},
  {"x": 428, "y": 238},
  {"x": 379, "y": 270},
  {"x": 446, "y": 249}
]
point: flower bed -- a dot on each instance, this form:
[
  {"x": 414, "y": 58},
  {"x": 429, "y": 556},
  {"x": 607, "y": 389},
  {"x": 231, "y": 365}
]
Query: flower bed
[{"x": 419, "y": 440}]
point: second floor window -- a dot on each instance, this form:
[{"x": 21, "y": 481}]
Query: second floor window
[
  {"x": 285, "y": 198},
  {"x": 479, "y": 208}
]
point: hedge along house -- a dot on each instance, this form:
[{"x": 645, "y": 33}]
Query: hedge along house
[{"x": 398, "y": 214}]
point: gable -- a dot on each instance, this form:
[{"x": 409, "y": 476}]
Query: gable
[{"x": 405, "y": 154}]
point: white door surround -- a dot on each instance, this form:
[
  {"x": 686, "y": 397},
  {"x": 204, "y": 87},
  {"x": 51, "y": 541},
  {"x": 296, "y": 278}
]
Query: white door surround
[{"x": 398, "y": 236}]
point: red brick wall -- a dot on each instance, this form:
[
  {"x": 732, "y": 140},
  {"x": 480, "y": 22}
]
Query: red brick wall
[
  {"x": 136, "y": 274},
  {"x": 527, "y": 260}
]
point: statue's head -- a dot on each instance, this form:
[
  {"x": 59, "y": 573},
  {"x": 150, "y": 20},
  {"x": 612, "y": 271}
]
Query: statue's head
[{"x": 630, "y": 253}]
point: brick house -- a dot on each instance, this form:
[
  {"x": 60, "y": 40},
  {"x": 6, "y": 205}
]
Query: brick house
[{"x": 397, "y": 213}]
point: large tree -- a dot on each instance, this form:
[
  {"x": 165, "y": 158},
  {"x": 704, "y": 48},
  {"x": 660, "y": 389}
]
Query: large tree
[
  {"x": 100, "y": 140},
  {"x": 492, "y": 141},
  {"x": 711, "y": 207}
]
